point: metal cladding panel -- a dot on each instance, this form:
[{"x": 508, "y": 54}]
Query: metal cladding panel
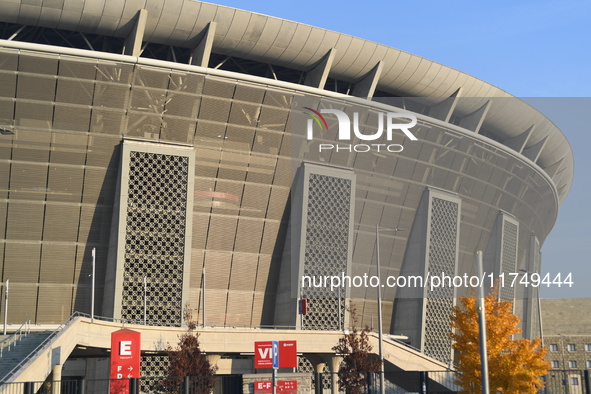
[
  {"x": 71, "y": 117},
  {"x": 4, "y": 181},
  {"x": 217, "y": 270},
  {"x": 22, "y": 298},
  {"x": 30, "y": 146},
  {"x": 36, "y": 87},
  {"x": 57, "y": 263},
  {"x": 69, "y": 148},
  {"x": 248, "y": 235},
  {"x": 215, "y": 304},
  {"x": 65, "y": 184},
  {"x": 239, "y": 310},
  {"x": 54, "y": 303},
  {"x": 61, "y": 222},
  {"x": 28, "y": 181},
  {"x": 25, "y": 221},
  {"x": 255, "y": 200},
  {"x": 222, "y": 232},
  {"x": 243, "y": 272},
  {"x": 21, "y": 262},
  {"x": 34, "y": 114},
  {"x": 200, "y": 229}
]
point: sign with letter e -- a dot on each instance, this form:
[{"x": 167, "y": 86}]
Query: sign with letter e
[{"x": 125, "y": 359}]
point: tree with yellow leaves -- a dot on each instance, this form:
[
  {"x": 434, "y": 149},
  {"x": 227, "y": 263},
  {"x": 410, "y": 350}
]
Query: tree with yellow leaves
[{"x": 515, "y": 365}]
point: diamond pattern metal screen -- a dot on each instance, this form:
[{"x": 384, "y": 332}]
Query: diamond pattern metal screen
[
  {"x": 305, "y": 366},
  {"x": 326, "y": 248},
  {"x": 155, "y": 238},
  {"x": 442, "y": 258},
  {"x": 509, "y": 258},
  {"x": 154, "y": 365}
]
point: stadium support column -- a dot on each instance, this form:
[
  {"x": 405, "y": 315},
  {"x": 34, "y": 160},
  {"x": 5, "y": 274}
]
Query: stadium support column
[
  {"x": 423, "y": 312},
  {"x": 317, "y": 76},
  {"x": 367, "y": 86},
  {"x": 201, "y": 53},
  {"x": 445, "y": 109},
  {"x": 151, "y": 234},
  {"x": 133, "y": 42},
  {"x": 319, "y": 243}
]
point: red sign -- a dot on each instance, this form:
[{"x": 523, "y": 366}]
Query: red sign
[
  {"x": 125, "y": 359},
  {"x": 283, "y": 386},
  {"x": 263, "y": 354},
  {"x": 288, "y": 354}
]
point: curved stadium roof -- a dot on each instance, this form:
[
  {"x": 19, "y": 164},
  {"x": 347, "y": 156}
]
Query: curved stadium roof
[{"x": 297, "y": 46}]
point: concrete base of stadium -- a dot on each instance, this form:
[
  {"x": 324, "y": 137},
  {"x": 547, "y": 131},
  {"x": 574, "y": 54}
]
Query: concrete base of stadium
[{"x": 86, "y": 336}]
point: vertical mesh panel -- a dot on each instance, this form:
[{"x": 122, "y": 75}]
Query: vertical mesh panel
[
  {"x": 155, "y": 237},
  {"x": 327, "y": 244},
  {"x": 442, "y": 259},
  {"x": 508, "y": 258},
  {"x": 154, "y": 365}
]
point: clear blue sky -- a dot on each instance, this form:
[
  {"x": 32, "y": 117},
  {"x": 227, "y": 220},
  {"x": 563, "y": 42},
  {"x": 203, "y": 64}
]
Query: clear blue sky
[{"x": 537, "y": 49}]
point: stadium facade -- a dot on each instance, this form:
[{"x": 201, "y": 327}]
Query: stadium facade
[{"x": 171, "y": 137}]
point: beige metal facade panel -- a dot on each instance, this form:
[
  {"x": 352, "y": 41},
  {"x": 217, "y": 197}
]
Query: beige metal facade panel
[
  {"x": 61, "y": 222},
  {"x": 25, "y": 220},
  {"x": 239, "y": 309},
  {"x": 65, "y": 184},
  {"x": 54, "y": 303},
  {"x": 243, "y": 272},
  {"x": 58, "y": 263},
  {"x": 23, "y": 302},
  {"x": 21, "y": 262}
]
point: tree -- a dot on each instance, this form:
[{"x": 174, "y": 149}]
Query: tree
[
  {"x": 187, "y": 359},
  {"x": 515, "y": 365},
  {"x": 358, "y": 361}
]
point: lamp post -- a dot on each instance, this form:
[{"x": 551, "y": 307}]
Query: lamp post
[
  {"x": 382, "y": 384},
  {"x": 5, "y": 305},
  {"x": 482, "y": 326},
  {"x": 92, "y": 290}
]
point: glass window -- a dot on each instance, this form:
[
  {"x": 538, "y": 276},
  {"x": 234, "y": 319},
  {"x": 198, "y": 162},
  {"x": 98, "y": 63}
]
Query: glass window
[
  {"x": 588, "y": 347},
  {"x": 571, "y": 347},
  {"x": 553, "y": 347},
  {"x": 574, "y": 381},
  {"x": 572, "y": 364},
  {"x": 555, "y": 364},
  {"x": 588, "y": 364}
]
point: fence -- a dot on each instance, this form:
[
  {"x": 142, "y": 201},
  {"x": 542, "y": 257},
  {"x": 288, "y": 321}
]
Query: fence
[
  {"x": 157, "y": 385},
  {"x": 432, "y": 382}
]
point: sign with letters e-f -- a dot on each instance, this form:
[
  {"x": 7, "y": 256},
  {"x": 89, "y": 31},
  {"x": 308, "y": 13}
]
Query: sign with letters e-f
[
  {"x": 283, "y": 386},
  {"x": 286, "y": 354},
  {"x": 125, "y": 359}
]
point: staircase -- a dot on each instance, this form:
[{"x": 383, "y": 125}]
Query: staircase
[{"x": 19, "y": 350}]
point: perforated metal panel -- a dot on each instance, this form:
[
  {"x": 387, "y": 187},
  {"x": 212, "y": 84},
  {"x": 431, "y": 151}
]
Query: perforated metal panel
[
  {"x": 508, "y": 258},
  {"x": 326, "y": 246},
  {"x": 155, "y": 237},
  {"x": 442, "y": 258},
  {"x": 154, "y": 365}
]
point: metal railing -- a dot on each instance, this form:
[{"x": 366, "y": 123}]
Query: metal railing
[
  {"x": 39, "y": 347},
  {"x": 18, "y": 335},
  {"x": 165, "y": 384}
]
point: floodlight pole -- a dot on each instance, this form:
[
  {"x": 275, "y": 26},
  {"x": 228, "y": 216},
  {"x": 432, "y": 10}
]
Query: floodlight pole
[
  {"x": 92, "y": 291},
  {"x": 5, "y": 305},
  {"x": 382, "y": 386},
  {"x": 482, "y": 326}
]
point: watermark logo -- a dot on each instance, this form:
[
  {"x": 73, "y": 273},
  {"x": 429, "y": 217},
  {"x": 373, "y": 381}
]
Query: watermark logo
[{"x": 389, "y": 123}]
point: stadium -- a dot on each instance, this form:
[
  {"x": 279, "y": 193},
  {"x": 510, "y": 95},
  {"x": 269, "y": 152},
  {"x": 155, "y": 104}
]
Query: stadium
[{"x": 201, "y": 151}]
